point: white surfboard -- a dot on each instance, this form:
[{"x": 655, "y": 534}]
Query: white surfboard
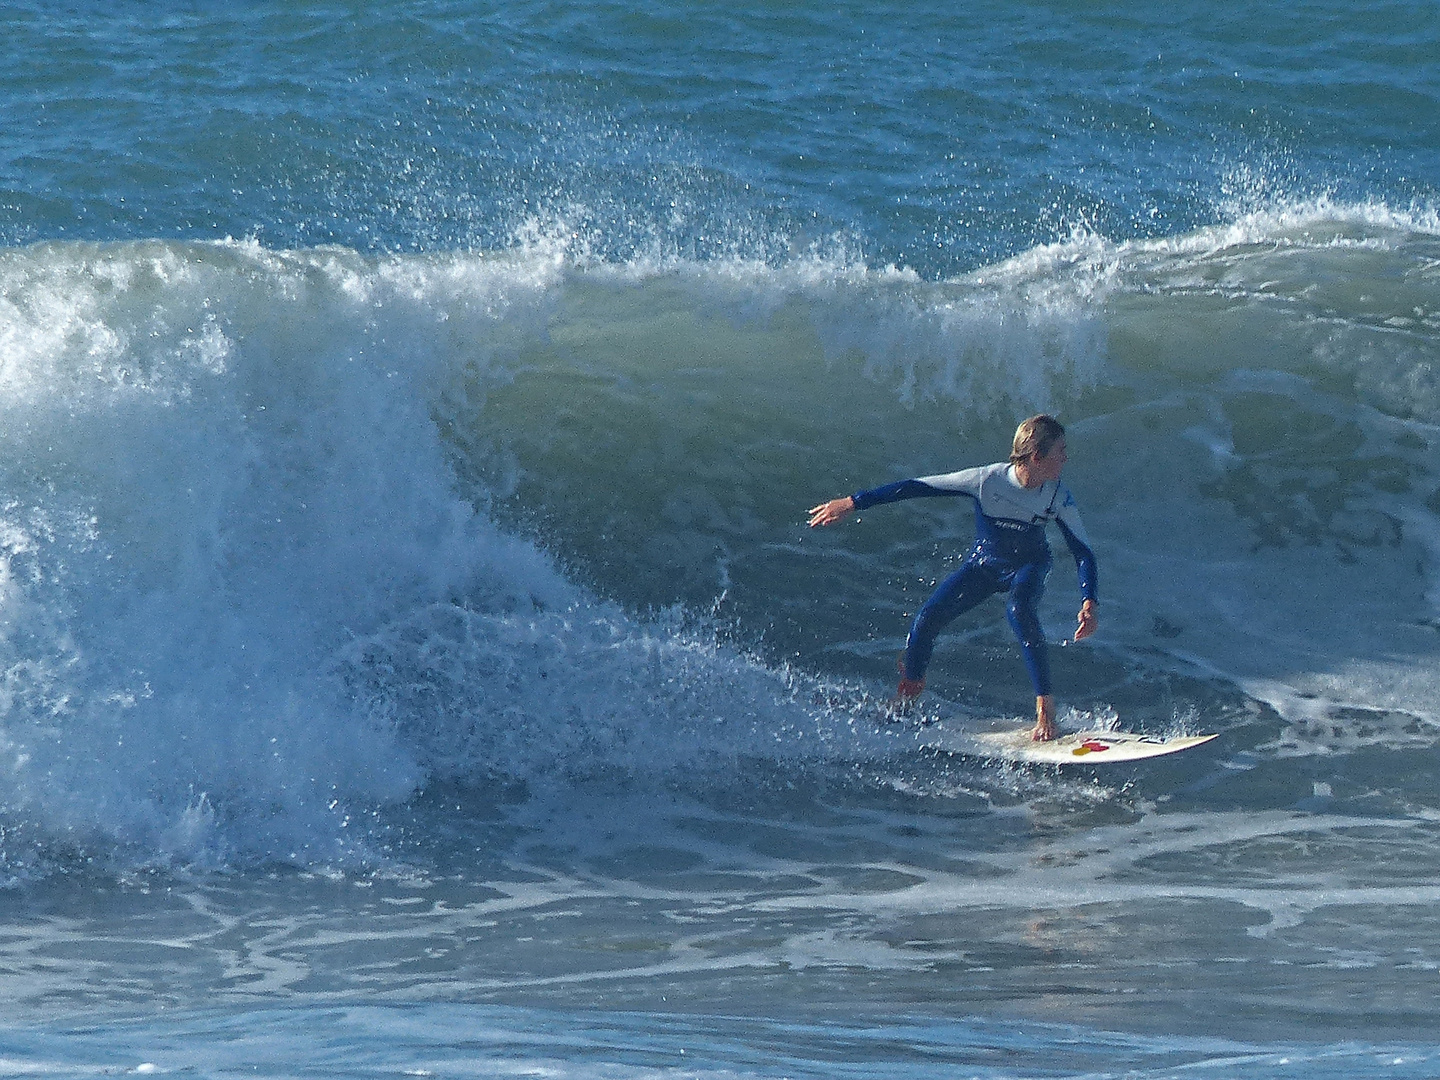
[{"x": 1087, "y": 747}]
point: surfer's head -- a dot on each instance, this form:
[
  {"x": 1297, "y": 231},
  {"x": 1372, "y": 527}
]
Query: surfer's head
[{"x": 1035, "y": 439}]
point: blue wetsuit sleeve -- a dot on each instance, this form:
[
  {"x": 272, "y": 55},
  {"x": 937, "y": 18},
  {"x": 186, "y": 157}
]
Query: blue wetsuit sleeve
[
  {"x": 964, "y": 482},
  {"x": 1085, "y": 564},
  {"x": 897, "y": 492},
  {"x": 1073, "y": 529}
]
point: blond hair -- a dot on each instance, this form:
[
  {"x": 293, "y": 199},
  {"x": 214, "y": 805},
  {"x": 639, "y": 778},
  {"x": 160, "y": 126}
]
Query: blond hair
[{"x": 1035, "y": 437}]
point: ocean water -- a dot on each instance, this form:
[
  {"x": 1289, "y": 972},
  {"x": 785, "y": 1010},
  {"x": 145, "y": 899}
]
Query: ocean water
[{"x": 414, "y": 659}]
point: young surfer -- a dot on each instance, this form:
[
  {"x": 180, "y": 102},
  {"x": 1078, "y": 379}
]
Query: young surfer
[{"x": 1014, "y": 501}]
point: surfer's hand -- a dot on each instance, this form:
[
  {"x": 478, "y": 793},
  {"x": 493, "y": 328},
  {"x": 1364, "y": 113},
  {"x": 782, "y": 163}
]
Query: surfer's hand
[
  {"x": 828, "y": 513},
  {"x": 1088, "y": 619}
]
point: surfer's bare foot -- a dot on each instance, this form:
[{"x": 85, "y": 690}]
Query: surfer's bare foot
[
  {"x": 909, "y": 689},
  {"x": 1044, "y": 719}
]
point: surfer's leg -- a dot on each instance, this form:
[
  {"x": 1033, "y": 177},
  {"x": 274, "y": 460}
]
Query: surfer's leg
[
  {"x": 1021, "y": 609},
  {"x": 956, "y": 595}
]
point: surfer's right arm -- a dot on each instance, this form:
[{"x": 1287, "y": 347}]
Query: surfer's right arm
[
  {"x": 828, "y": 513},
  {"x": 964, "y": 482}
]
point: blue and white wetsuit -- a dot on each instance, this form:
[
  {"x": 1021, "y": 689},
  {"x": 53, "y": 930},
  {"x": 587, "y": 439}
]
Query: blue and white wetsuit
[{"x": 1010, "y": 555}]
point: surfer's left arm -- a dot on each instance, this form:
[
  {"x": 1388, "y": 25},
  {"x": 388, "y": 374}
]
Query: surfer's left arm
[{"x": 1078, "y": 542}]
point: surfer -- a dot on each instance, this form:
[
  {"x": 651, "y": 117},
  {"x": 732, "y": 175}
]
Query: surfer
[{"x": 1014, "y": 501}]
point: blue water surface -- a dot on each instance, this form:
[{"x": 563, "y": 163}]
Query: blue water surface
[
  {"x": 930, "y": 137},
  {"x": 412, "y": 658}
]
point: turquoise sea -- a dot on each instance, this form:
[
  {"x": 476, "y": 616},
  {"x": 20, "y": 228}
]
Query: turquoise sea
[{"x": 413, "y": 661}]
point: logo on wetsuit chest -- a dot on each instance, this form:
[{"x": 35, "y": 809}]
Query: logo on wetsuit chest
[{"x": 1020, "y": 526}]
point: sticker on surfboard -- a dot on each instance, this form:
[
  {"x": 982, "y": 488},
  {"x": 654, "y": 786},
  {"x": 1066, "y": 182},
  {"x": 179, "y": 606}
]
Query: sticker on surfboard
[{"x": 1087, "y": 747}]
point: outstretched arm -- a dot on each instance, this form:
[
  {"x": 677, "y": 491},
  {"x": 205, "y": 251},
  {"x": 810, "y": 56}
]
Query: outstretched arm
[
  {"x": 965, "y": 482},
  {"x": 828, "y": 513}
]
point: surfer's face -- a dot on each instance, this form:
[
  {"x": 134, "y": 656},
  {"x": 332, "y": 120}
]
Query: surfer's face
[{"x": 1048, "y": 467}]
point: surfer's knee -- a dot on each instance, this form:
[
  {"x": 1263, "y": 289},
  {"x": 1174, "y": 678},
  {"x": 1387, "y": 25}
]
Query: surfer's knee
[{"x": 1025, "y": 621}]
